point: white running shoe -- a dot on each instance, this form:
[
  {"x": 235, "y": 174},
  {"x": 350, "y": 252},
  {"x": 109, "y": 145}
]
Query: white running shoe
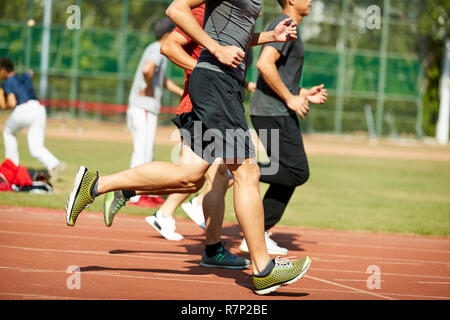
[
  {"x": 272, "y": 246},
  {"x": 195, "y": 212},
  {"x": 164, "y": 225}
]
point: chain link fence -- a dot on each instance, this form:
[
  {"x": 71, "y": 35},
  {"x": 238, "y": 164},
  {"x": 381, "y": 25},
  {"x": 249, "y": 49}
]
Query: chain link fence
[{"x": 368, "y": 54}]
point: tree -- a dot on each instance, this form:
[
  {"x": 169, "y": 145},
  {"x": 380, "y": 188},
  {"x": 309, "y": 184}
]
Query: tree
[{"x": 434, "y": 26}]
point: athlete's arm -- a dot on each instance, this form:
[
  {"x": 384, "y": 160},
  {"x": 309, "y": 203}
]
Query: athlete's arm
[
  {"x": 285, "y": 31},
  {"x": 7, "y": 102},
  {"x": 173, "y": 87},
  {"x": 11, "y": 101},
  {"x": 266, "y": 65},
  {"x": 148, "y": 71},
  {"x": 2, "y": 99},
  {"x": 173, "y": 48},
  {"x": 180, "y": 12}
]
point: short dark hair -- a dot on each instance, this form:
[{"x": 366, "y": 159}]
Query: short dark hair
[
  {"x": 7, "y": 64},
  {"x": 282, "y": 3}
]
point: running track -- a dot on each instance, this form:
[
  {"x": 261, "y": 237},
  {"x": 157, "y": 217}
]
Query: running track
[{"x": 131, "y": 261}]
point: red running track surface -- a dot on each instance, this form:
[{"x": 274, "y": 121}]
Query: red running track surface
[{"x": 131, "y": 260}]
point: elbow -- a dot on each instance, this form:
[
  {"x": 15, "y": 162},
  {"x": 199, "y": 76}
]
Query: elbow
[
  {"x": 261, "y": 66},
  {"x": 163, "y": 49},
  {"x": 172, "y": 10}
]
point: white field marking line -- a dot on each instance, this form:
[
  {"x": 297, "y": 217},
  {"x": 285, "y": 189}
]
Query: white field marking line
[
  {"x": 391, "y": 294},
  {"x": 329, "y": 260},
  {"x": 56, "y": 216},
  {"x": 350, "y": 288},
  {"x": 431, "y": 282},
  {"x": 378, "y": 259},
  {"x": 44, "y": 297},
  {"x": 328, "y": 233},
  {"x": 354, "y": 280},
  {"x": 382, "y": 259},
  {"x": 359, "y": 234},
  {"x": 102, "y": 253},
  {"x": 63, "y": 226},
  {"x": 113, "y": 271},
  {"x": 417, "y": 296},
  {"x": 420, "y": 238},
  {"x": 379, "y": 247},
  {"x": 385, "y": 273},
  {"x": 402, "y": 263},
  {"x": 166, "y": 242},
  {"x": 116, "y": 228},
  {"x": 249, "y": 286}
]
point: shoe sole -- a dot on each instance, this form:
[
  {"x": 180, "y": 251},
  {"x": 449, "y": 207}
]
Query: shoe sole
[
  {"x": 274, "y": 288},
  {"x": 183, "y": 206},
  {"x": 223, "y": 267},
  {"x": 152, "y": 220},
  {"x": 106, "y": 212},
  {"x": 73, "y": 194}
]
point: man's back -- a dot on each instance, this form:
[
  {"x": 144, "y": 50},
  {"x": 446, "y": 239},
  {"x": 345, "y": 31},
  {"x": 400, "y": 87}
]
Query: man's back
[
  {"x": 265, "y": 101},
  {"x": 22, "y": 87},
  {"x": 152, "y": 52}
]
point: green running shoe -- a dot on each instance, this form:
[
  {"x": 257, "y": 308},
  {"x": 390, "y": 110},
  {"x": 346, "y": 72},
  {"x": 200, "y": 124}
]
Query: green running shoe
[
  {"x": 284, "y": 272},
  {"x": 114, "y": 200},
  {"x": 81, "y": 196},
  {"x": 224, "y": 259}
]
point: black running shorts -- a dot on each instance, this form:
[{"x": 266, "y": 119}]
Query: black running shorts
[{"x": 216, "y": 127}]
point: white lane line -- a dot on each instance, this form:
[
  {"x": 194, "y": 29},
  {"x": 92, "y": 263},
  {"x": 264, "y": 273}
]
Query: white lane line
[
  {"x": 382, "y": 258},
  {"x": 122, "y": 229},
  {"x": 120, "y": 275},
  {"x": 107, "y": 271},
  {"x": 384, "y": 273},
  {"x": 350, "y": 288},
  {"x": 360, "y": 234},
  {"x": 329, "y": 260},
  {"x": 102, "y": 253},
  {"x": 49, "y": 235},
  {"x": 379, "y": 259},
  {"x": 390, "y": 247},
  {"x": 431, "y": 282},
  {"x": 43, "y": 297},
  {"x": 354, "y": 280}
]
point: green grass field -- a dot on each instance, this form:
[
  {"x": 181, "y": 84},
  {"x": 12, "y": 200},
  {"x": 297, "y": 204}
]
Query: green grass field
[{"x": 345, "y": 193}]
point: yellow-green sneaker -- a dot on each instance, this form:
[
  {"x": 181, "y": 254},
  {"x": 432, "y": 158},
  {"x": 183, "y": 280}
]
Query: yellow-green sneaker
[
  {"x": 284, "y": 272},
  {"x": 114, "y": 200},
  {"x": 81, "y": 196}
]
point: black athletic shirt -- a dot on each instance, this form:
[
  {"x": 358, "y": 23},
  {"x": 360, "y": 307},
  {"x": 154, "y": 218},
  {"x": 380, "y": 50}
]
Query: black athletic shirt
[{"x": 265, "y": 101}]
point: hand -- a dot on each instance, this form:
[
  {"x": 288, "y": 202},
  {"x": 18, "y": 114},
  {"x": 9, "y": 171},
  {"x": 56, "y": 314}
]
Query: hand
[
  {"x": 230, "y": 56},
  {"x": 299, "y": 104},
  {"x": 286, "y": 30},
  {"x": 251, "y": 86},
  {"x": 317, "y": 94}
]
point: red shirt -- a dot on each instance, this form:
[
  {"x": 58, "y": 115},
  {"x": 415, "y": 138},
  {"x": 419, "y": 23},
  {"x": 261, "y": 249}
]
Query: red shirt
[{"x": 193, "y": 49}]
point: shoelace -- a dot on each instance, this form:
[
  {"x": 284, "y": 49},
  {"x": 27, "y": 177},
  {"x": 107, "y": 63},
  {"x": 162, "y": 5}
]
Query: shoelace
[{"x": 285, "y": 262}]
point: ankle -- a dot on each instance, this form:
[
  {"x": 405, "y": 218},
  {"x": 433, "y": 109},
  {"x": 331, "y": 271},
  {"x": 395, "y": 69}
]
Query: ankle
[{"x": 266, "y": 270}]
